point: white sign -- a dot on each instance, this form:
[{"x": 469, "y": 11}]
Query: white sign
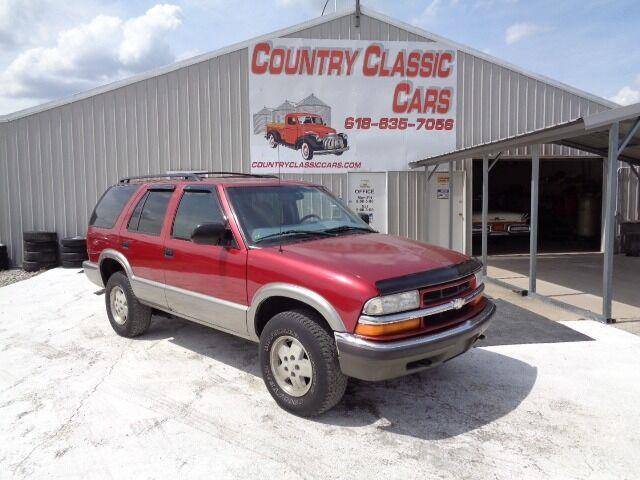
[
  {"x": 368, "y": 194},
  {"x": 349, "y": 105}
]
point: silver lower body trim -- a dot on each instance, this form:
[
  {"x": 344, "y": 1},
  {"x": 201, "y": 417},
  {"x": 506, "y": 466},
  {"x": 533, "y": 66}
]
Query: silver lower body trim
[{"x": 92, "y": 271}]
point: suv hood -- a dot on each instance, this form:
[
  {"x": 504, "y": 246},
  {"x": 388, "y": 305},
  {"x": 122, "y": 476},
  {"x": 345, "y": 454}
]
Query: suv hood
[
  {"x": 372, "y": 257},
  {"x": 321, "y": 130}
]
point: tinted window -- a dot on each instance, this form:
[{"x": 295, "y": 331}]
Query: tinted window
[
  {"x": 195, "y": 209},
  {"x": 152, "y": 209},
  {"x": 110, "y": 205}
]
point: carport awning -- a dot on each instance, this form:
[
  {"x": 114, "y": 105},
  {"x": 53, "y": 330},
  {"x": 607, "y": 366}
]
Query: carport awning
[{"x": 589, "y": 134}]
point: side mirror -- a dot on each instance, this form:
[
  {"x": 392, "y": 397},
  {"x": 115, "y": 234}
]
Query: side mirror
[
  {"x": 366, "y": 217},
  {"x": 209, "y": 233}
]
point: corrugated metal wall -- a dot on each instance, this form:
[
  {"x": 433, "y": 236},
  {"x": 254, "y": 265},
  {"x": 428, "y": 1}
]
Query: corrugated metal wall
[{"x": 54, "y": 164}]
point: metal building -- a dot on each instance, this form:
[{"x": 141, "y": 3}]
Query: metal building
[{"x": 57, "y": 159}]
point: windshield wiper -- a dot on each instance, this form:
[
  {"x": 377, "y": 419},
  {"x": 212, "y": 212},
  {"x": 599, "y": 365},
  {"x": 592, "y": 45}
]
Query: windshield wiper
[
  {"x": 348, "y": 228},
  {"x": 296, "y": 232}
]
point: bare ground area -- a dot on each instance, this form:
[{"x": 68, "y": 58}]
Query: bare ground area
[{"x": 539, "y": 398}]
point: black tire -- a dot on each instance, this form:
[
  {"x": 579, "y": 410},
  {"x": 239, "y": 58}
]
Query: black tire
[
  {"x": 30, "y": 266},
  {"x": 41, "y": 247},
  {"x": 338, "y": 153},
  {"x": 40, "y": 237},
  {"x": 73, "y": 257},
  {"x": 66, "y": 264},
  {"x": 328, "y": 383},
  {"x": 73, "y": 250},
  {"x": 138, "y": 315},
  {"x": 4, "y": 257},
  {"x": 41, "y": 257},
  {"x": 306, "y": 150},
  {"x": 75, "y": 242},
  {"x": 272, "y": 143}
]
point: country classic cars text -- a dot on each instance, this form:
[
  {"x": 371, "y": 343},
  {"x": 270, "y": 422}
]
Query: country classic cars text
[{"x": 372, "y": 61}]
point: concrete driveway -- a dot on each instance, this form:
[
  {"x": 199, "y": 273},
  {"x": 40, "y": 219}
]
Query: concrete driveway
[{"x": 540, "y": 400}]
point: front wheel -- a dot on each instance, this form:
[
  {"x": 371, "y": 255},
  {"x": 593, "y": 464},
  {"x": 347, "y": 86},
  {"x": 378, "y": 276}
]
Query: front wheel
[
  {"x": 306, "y": 150},
  {"x": 299, "y": 363}
]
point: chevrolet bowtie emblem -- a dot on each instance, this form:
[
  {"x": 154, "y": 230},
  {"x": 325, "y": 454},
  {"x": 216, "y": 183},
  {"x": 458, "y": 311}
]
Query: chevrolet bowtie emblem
[{"x": 458, "y": 303}]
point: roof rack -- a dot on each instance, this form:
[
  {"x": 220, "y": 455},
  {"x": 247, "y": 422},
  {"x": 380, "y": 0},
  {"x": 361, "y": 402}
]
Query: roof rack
[
  {"x": 233, "y": 174},
  {"x": 183, "y": 176},
  {"x": 192, "y": 175}
]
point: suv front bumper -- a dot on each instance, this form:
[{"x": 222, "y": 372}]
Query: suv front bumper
[{"x": 371, "y": 360}]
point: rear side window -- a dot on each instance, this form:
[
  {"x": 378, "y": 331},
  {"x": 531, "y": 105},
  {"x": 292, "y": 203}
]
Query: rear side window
[
  {"x": 110, "y": 205},
  {"x": 149, "y": 213},
  {"x": 196, "y": 208}
]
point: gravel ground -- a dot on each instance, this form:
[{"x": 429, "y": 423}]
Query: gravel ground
[
  {"x": 7, "y": 277},
  {"x": 549, "y": 401}
]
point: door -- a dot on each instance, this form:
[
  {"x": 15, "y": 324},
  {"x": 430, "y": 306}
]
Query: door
[
  {"x": 142, "y": 243},
  {"x": 291, "y": 130},
  {"x": 206, "y": 283}
]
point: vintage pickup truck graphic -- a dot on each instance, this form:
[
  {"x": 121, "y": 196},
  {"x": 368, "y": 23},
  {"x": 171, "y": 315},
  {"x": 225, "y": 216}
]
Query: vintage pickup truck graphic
[{"x": 308, "y": 133}]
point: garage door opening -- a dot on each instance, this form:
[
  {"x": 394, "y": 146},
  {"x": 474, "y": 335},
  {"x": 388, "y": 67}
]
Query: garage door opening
[{"x": 570, "y": 206}]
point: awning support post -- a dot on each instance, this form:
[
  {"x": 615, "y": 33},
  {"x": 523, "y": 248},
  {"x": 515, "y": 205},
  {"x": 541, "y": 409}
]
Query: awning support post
[
  {"x": 533, "y": 220},
  {"x": 485, "y": 210},
  {"x": 450, "y": 205},
  {"x": 610, "y": 221}
]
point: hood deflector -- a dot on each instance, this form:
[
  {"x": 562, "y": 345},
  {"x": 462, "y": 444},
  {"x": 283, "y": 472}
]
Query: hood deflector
[{"x": 428, "y": 278}]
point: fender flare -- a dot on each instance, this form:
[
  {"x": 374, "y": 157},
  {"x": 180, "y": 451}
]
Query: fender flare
[
  {"x": 118, "y": 257},
  {"x": 296, "y": 292}
]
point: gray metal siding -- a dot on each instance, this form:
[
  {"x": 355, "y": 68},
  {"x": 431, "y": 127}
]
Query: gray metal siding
[
  {"x": 495, "y": 102},
  {"x": 55, "y": 163}
]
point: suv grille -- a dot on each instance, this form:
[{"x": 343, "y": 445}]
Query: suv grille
[{"x": 441, "y": 293}]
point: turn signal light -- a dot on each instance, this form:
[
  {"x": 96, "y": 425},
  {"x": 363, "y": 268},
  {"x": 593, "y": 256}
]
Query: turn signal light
[{"x": 382, "y": 329}]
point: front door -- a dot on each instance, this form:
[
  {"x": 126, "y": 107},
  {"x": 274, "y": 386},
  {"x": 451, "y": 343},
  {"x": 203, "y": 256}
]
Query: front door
[
  {"x": 206, "y": 283},
  {"x": 141, "y": 242}
]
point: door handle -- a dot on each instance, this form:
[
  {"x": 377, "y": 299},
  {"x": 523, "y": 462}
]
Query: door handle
[
  {"x": 168, "y": 252},
  {"x": 125, "y": 244}
]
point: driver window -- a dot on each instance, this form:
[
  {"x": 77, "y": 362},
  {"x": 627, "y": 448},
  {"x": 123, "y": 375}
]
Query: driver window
[
  {"x": 313, "y": 201},
  {"x": 195, "y": 209},
  {"x": 291, "y": 120}
]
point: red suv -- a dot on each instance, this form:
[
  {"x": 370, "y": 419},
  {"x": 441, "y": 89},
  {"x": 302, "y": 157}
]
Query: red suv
[{"x": 288, "y": 265}]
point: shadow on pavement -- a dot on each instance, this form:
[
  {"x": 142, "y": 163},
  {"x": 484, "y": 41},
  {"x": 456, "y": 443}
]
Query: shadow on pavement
[
  {"x": 466, "y": 393},
  {"x": 513, "y": 325}
]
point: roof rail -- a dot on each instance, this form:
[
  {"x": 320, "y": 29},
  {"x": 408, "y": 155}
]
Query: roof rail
[
  {"x": 183, "y": 176},
  {"x": 233, "y": 174}
]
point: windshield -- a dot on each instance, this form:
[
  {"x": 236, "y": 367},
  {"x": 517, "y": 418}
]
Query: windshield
[
  {"x": 315, "y": 120},
  {"x": 291, "y": 213}
]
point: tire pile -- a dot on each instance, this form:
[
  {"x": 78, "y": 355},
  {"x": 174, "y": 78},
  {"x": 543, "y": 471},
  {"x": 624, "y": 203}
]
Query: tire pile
[
  {"x": 40, "y": 251},
  {"x": 73, "y": 251},
  {"x": 4, "y": 257}
]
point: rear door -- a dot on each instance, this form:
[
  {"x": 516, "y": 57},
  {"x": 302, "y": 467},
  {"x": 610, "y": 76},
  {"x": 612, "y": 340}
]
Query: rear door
[
  {"x": 206, "y": 283},
  {"x": 141, "y": 240}
]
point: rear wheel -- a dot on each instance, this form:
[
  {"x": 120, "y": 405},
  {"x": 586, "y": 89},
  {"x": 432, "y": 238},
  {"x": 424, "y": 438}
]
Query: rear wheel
[
  {"x": 299, "y": 363},
  {"x": 128, "y": 317},
  {"x": 273, "y": 143}
]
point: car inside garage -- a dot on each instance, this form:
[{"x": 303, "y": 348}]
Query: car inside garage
[{"x": 570, "y": 205}]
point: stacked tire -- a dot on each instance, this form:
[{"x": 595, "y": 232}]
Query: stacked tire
[
  {"x": 73, "y": 251},
  {"x": 40, "y": 251},
  {"x": 4, "y": 257}
]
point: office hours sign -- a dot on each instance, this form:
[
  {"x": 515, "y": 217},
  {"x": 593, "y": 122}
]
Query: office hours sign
[
  {"x": 368, "y": 194},
  {"x": 334, "y": 106}
]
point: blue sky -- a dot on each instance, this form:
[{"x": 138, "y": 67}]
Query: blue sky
[{"x": 50, "y": 49}]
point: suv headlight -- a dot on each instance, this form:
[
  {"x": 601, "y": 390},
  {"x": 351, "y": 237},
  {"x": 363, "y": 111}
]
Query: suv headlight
[
  {"x": 479, "y": 278},
  {"x": 387, "y": 304}
]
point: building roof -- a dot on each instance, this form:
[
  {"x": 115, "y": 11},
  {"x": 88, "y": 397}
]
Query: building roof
[
  {"x": 312, "y": 100},
  {"x": 588, "y": 133},
  {"x": 290, "y": 31}
]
